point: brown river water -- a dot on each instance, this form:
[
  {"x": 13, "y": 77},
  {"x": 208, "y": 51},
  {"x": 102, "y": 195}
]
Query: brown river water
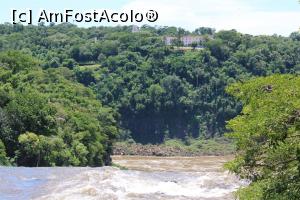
[{"x": 153, "y": 178}]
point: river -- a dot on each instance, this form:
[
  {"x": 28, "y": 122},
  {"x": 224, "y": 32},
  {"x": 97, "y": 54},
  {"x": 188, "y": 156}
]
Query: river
[{"x": 153, "y": 178}]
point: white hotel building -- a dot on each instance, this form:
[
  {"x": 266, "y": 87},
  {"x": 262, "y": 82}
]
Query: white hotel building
[{"x": 187, "y": 40}]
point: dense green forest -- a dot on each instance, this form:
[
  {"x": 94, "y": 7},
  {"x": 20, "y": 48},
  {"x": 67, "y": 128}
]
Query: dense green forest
[
  {"x": 71, "y": 90},
  {"x": 158, "y": 91},
  {"x": 268, "y": 139},
  {"x": 47, "y": 119}
]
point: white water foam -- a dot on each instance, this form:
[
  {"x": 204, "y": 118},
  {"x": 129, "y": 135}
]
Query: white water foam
[{"x": 111, "y": 183}]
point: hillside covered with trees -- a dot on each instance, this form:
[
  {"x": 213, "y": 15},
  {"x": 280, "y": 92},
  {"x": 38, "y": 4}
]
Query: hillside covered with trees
[
  {"x": 47, "y": 119},
  {"x": 73, "y": 89}
]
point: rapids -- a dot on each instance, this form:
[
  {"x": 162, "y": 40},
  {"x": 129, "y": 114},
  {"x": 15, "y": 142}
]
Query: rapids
[{"x": 152, "y": 178}]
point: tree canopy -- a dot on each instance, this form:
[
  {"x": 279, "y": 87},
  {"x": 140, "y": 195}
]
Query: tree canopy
[
  {"x": 267, "y": 136},
  {"x": 47, "y": 119}
]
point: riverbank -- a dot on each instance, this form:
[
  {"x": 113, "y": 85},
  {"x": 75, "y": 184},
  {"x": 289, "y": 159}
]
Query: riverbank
[
  {"x": 211, "y": 147},
  {"x": 166, "y": 164}
]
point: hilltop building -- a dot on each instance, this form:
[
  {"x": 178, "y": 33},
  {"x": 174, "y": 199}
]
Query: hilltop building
[
  {"x": 187, "y": 40},
  {"x": 135, "y": 29},
  {"x": 169, "y": 40}
]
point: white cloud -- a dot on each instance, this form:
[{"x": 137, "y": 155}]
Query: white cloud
[{"x": 219, "y": 14}]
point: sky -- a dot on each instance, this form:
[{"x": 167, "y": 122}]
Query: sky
[{"x": 256, "y": 17}]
